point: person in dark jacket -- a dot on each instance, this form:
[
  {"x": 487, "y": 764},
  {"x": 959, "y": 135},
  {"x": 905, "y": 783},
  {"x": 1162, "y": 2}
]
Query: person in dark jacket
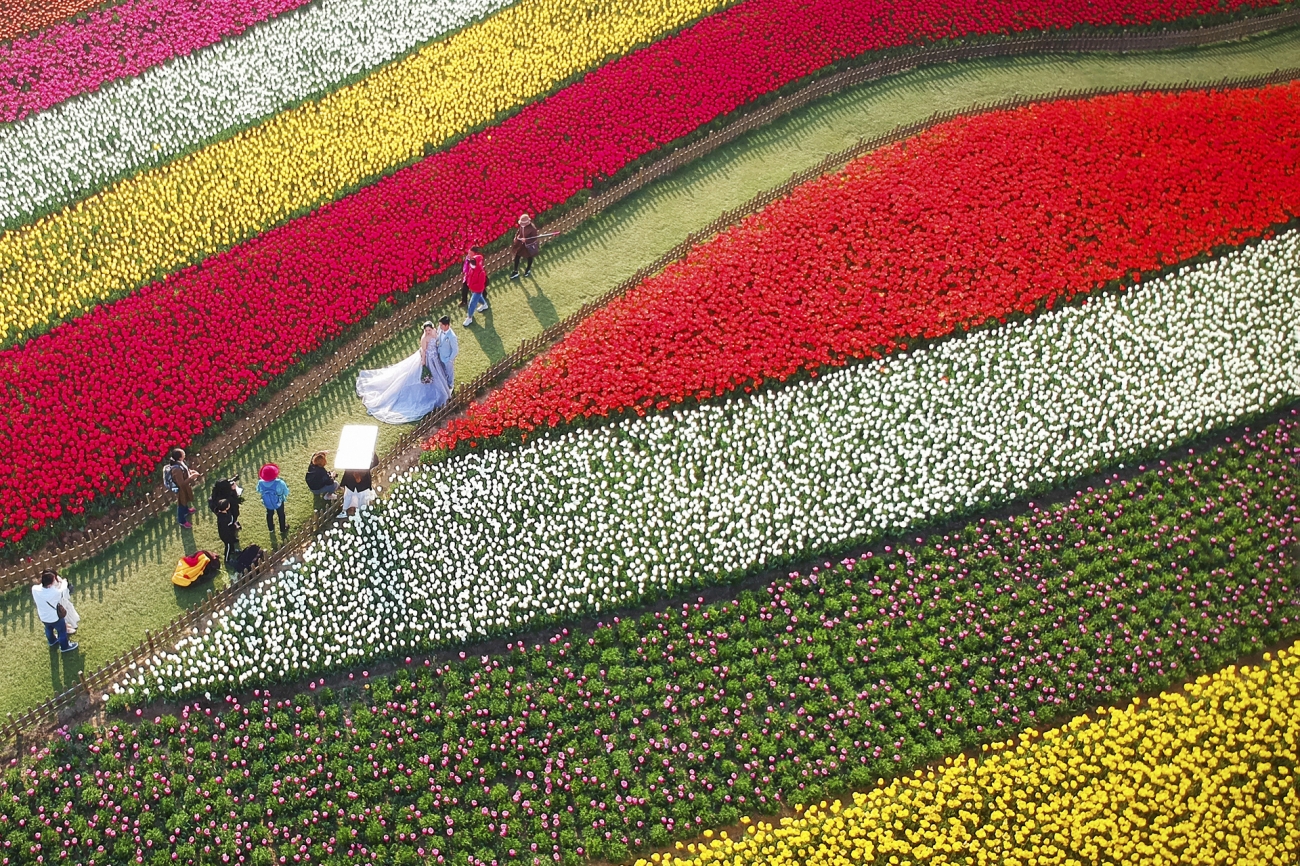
[
  {"x": 227, "y": 528},
  {"x": 229, "y": 490},
  {"x": 358, "y": 490},
  {"x": 525, "y": 245},
  {"x": 320, "y": 481}
]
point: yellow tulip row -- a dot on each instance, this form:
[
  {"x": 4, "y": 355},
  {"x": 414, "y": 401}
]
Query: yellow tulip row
[
  {"x": 1205, "y": 776},
  {"x": 163, "y": 219}
]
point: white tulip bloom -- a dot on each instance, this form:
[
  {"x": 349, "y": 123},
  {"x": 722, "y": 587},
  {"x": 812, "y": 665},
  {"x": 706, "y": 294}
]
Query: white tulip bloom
[
  {"x": 596, "y": 518},
  {"x": 60, "y": 155}
]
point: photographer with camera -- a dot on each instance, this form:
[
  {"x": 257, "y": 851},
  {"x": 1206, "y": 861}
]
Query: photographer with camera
[{"x": 320, "y": 481}]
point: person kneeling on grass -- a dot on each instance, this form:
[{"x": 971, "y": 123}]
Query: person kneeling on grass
[
  {"x": 320, "y": 481},
  {"x": 274, "y": 493}
]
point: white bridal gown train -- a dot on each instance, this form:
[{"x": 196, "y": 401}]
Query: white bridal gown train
[{"x": 395, "y": 395}]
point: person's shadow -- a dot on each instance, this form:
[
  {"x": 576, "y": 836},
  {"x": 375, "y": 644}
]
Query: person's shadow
[
  {"x": 489, "y": 341},
  {"x": 65, "y": 668},
  {"x": 543, "y": 310}
]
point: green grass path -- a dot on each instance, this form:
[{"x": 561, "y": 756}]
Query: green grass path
[{"x": 127, "y": 590}]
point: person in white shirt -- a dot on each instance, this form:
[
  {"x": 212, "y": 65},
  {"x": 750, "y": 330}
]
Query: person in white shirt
[
  {"x": 49, "y": 598},
  {"x": 71, "y": 618}
]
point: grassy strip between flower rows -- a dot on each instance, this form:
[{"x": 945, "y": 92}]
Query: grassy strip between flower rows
[
  {"x": 974, "y": 221},
  {"x": 593, "y": 744},
  {"x": 1205, "y": 776}
]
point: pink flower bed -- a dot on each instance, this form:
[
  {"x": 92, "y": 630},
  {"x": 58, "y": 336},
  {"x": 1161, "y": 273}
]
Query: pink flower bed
[
  {"x": 96, "y": 402},
  {"x": 71, "y": 57}
]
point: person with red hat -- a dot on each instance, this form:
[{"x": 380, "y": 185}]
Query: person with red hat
[{"x": 274, "y": 493}]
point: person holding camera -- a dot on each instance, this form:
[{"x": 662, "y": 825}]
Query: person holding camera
[
  {"x": 228, "y": 529},
  {"x": 525, "y": 245},
  {"x": 320, "y": 481}
]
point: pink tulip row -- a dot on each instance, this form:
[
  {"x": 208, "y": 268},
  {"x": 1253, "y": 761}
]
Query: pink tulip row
[
  {"x": 95, "y": 403},
  {"x": 42, "y": 69}
]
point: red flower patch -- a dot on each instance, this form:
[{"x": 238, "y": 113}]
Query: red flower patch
[{"x": 978, "y": 218}]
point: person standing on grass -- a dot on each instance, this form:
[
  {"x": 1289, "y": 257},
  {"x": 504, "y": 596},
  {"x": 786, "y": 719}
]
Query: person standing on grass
[
  {"x": 274, "y": 493},
  {"x": 448, "y": 347},
  {"x": 49, "y": 607},
  {"x": 227, "y": 528},
  {"x": 71, "y": 618},
  {"x": 179, "y": 479},
  {"x": 525, "y": 245},
  {"x": 476, "y": 279},
  {"x": 470, "y": 254}
]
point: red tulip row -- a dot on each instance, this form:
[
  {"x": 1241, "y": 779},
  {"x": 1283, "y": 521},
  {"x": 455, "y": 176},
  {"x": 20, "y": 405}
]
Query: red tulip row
[
  {"x": 95, "y": 403},
  {"x": 72, "y": 57},
  {"x": 976, "y": 219},
  {"x": 128, "y": 38}
]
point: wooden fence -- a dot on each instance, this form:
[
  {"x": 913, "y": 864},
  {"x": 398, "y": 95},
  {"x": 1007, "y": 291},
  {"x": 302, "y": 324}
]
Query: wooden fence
[
  {"x": 84, "y": 695},
  {"x": 149, "y": 498}
]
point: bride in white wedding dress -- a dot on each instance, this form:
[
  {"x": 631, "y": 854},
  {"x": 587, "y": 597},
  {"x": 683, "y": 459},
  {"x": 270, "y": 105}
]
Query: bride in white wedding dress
[{"x": 416, "y": 385}]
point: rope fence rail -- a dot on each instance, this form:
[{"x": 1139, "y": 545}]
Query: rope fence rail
[{"x": 83, "y": 696}]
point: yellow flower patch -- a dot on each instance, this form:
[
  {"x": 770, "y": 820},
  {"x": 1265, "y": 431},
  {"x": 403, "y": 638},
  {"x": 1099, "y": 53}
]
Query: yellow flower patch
[
  {"x": 1208, "y": 776},
  {"x": 163, "y": 219}
]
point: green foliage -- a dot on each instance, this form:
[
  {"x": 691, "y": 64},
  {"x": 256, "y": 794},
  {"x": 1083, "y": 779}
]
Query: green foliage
[{"x": 652, "y": 727}]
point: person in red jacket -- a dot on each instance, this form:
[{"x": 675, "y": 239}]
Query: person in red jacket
[
  {"x": 464, "y": 277},
  {"x": 476, "y": 279}
]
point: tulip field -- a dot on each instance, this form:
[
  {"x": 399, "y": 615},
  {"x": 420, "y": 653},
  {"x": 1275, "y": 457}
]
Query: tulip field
[
  {"x": 977, "y": 219},
  {"x": 941, "y": 509},
  {"x": 591, "y": 743}
]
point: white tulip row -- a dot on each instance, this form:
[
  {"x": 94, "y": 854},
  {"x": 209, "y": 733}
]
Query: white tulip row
[
  {"x": 57, "y": 156},
  {"x": 597, "y": 518}
]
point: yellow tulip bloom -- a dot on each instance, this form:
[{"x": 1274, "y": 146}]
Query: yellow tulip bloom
[{"x": 1191, "y": 804}]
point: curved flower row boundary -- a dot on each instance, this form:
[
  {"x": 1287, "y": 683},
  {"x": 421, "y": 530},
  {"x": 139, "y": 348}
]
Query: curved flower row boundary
[
  {"x": 319, "y": 274},
  {"x": 77, "y": 56},
  {"x": 982, "y": 218},
  {"x": 153, "y": 223},
  {"x": 782, "y": 695},
  {"x": 1216, "y": 764},
  {"x": 48, "y": 160},
  {"x": 597, "y": 519},
  {"x": 218, "y": 196}
]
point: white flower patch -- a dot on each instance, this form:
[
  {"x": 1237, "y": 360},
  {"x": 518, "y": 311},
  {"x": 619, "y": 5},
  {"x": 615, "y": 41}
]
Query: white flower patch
[
  {"x": 59, "y": 155},
  {"x": 592, "y": 519}
]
